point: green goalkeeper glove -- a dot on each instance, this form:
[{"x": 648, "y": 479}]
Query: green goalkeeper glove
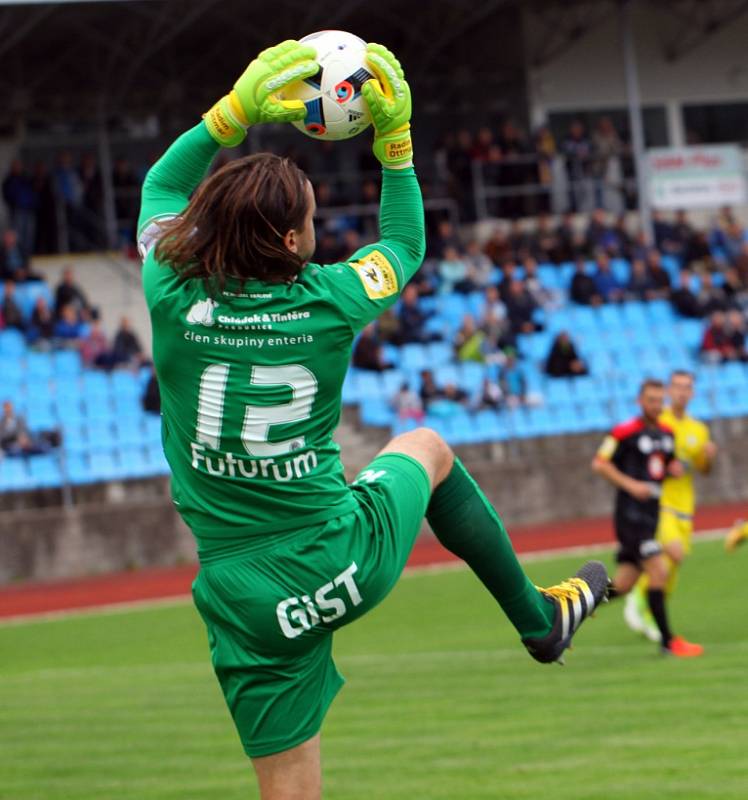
[
  {"x": 254, "y": 96},
  {"x": 387, "y": 95}
]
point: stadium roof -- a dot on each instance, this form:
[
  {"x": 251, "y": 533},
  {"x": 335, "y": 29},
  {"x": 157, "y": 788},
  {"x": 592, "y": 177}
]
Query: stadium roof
[{"x": 85, "y": 60}]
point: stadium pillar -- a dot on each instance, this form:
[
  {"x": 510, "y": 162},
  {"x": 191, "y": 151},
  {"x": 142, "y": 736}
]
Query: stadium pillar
[
  {"x": 633, "y": 98},
  {"x": 107, "y": 185}
]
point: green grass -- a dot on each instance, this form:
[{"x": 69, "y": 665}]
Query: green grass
[{"x": 441, "y": 702}]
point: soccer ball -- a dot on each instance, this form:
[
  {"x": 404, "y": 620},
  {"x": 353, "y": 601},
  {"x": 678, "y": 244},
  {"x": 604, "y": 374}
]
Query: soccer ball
[{"x": 335, "y": 108}]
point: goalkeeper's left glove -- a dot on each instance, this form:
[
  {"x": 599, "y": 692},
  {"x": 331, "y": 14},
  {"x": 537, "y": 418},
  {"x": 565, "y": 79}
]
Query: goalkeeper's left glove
[
  {"x": 254, "y": 96},
  {"x": 388, "y": 97}
]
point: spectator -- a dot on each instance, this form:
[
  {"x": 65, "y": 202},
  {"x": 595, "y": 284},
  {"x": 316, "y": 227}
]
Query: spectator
[
  {"x": 545, "y": 241},
  {"x": 541, "y": 294},
  {"x": 577, "y": 150},
  {"x": 479, "y": 266},
  {"x": 69, "y": 189},
  {"x": 583, "y": 289},
  {"x": 21, "y": 200},
  {"x": 508, "y": 274},
  {"x": 711, "y": 298},
  {"x": 42, "y": 328},
  {"x": 407, "y": 404},
  {"x": 468, "y": 342},
  {"x": 717, "y": 346},
  {"x": 683, "y": 300},
  {"x": 68, "y": 293},
  {"x": 14, "y": 258},
  {"x": 699, "y": 253},
  {"x": 388, "y": 327},
  {"x": 606, "y": 166},
  {"x": 69, "y": 329},
  {"x": 599, "y": 235},
  {"x": 412, "y": 318},
  {"x": 570, "y": 239},
  {"x": 665, "y": 236},
  {"x": 658, "y": 276},
  {"x": 94, "y": 347},
  {"x": 15, "y": 438},
  {"x": 498, "y": 247},
  {"x": 682, "y": 235},
  {"x": 563, "y": 360},
  {"x": 512, "y": 382},
  {"x": 444, "y": 237},
  {"x": 741, "y": 265},
  {"x": 606, "y": 283},
  {"x": 453, "y": 273},
  {"x": 736, "y": 334},
  {"x": 368, "y": 353},
  {"x": 11, "y": 311},
  {"x": 126, "y": 348},
  {"x": 429, "y": 390},
  {"x": 520, "y": 309},
  {"x": 152, "y": 396},
  {"x": 491, "y": 395},
  {"x": 519, "y": 240},
  {"x": 640, "y": 285}
]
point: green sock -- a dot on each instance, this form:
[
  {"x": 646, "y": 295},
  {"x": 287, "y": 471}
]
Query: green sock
[{"x": 468, "y": 526}]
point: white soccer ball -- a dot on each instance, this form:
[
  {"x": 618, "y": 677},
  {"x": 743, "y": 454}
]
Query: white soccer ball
[{"x": 335, "y": 108}]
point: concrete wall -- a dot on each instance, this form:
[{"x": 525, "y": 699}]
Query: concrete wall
[{"x": 531, "y": 481}]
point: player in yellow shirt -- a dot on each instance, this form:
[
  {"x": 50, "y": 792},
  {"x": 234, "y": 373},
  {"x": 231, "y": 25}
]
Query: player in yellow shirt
[{"x": 695, "y": 450}]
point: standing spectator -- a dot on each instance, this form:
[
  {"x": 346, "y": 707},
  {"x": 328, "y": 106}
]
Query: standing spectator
[
  {"x": 571, "y": 240},
  {"x": 607, "y": 169},
  {"x": 717, "y": 346},
  {"x": 92, "y": 228},
  {"x": 152, "y": 395},
  {"x": 68, "y": 293},
  {"x": 577, "y": 150},
  {"x": 514, "y": 170},
  {"x": 126, "y": 348},
  {"x": 444, "y": 237},
  {"x": 545, "y": 241},
  {"x": 407, "y": 404},
  {"x": 14, "y": 259},
  {"x": 545, "y": 151},
  {"x": 583, "y": 289},
  {"x": 563, "y": 359},
  {"x": 11, "y": 311},
  {"x": 69, "y": 189},
  {"x": 368, "y": 353},
  {"x": 46, "y": 213},
  {"x": 21, "y": 200},
  {"x": 606, "y": 283},
  {"x": 94, "y": 347},
  {"x": 126, "y": 184},
  {"x": 683, "y": 300},
  {"x": 42, "y": 328},
  {"x": 69, "y": 329}
]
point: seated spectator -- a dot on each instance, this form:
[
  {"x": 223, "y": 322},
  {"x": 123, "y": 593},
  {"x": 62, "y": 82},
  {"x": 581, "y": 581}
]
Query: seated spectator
[
  {"x": 14, "y": 260},
  {"x": 368, "y": 353},
  {"x": 494, "y": 303},
  {"x": 451, "y": 400},
  {"x": 571, "y": 240},
  {"x": 491, "y": 395},
  {"x": 429, "y": 390},
  {"x": 453, "y": 273},
  {"x": 519, "y": 240},
  {"x": 711, "y": 298},
  {"x": 545, "y": 241},
  {"x": 508, "y": 274},
  {"x": 16, "y": 439},
  {"x": 682, "y": 235},
  {"x": 445, "y": 236},
  {"x": 563, "y": 360},
  {"x": 600, "y": 237},
  {"x": 520, "y": 308},
  {"x": 735, "y": 289},
  {"x": 583, "y": 289},
  {"x": 658, "y": 275},
  {"x": 468, "y": 342},
  {"x": 498, "y": 248},
  {"x": 126, "y": 348},
  {"x": 640, "y": 286},
  {"x": 717, "y": 345},
  {"x": 68, "y": 330},
  {"x": 10, "y": 310},
  {"x": 736, "y": 334},
  {"x": 412, "y": 318},
  {"x": 666, "y": 239},
  {"x": 683, "y": 300},
  {"x": 512, "y": 382},
  {"x": 42, "y": 328},
  {"x": 479, "y": 266},
  {"x": 152, "y": 396},
  {"x": 698, "y": 255},
  {"x": 407, "y": 404},
  {"x": 542, "y": 295},
  {"x": 623, "y": 243},
  {"x": 606, "y": 283},
  {"x": 388, "y": 326},
  {"x": 94, "y": 347},
  {"x": 68, "y": 293}
]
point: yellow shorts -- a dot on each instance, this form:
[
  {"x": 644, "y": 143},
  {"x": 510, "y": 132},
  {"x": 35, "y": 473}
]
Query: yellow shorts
[{"x": 673, "y": 526}]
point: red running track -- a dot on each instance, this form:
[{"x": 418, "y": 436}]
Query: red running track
[{"x": 154, "y": 584}]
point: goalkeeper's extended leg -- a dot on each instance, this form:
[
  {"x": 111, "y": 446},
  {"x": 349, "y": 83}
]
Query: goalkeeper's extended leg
[{"x": 467, "y": 525}]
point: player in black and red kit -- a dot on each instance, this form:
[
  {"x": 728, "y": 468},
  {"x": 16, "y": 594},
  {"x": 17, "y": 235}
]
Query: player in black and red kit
[{"x": 636, "y": 457}]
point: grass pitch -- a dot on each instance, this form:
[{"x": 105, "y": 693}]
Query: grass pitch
[{"x": 441, "y": 702}]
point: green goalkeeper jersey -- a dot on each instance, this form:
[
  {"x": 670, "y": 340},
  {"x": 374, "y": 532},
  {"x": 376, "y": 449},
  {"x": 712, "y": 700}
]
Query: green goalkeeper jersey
[{"x": 251, "y": 376}]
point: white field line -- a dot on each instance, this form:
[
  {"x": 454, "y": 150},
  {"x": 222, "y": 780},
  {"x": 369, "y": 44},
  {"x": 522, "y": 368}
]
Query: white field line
[{"x": 409, "y": 572}]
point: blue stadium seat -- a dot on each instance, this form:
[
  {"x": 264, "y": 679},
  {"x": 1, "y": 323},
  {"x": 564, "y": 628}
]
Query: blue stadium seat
[
  {"x": 446, "y": 373},
  {"x": 471, "y": 375},
  {"x": 28, "y": 293},
  {"x": 12, "y": 344},
  {"x": 403, "y": 426},
  {"x": 440, "y": 352},
  {"x": 152, "y": 424},
  {"x": 39, "y": 365},
  {"x": 350, "y": 393},
  {"x": 104, "y": 465},
  {"x": 414, "y": 356},
  {"x": 392, "y": 380},
  {"x": 67, "y": 363},
  {"x": 99, "y": 434},
  {"x": 133, "y": 461},
  {"x": 45, "y": 471},
  {"x": 77, "y": 468},
  {"x": 125, "y": 384},
  {"x": 99, "y": 409},
  {"x": 491, "y": 426},
  {"x": 14, "y": 475},
  {"x": 376, "y": 411},
  {"x": 95, "y": 385},
  {"x": 157, "y": 460}
]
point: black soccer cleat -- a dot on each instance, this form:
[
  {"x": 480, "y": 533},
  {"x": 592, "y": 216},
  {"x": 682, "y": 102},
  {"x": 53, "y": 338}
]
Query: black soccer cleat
[{"x": 575, "y": 600}]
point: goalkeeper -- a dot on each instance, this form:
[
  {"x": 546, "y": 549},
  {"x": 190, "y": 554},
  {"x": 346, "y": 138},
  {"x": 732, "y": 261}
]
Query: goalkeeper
[{"x": 251, "y": 342}]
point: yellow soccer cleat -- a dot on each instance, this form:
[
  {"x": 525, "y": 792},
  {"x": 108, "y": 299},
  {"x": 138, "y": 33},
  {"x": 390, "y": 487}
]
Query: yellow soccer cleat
[{"x": 737, "y": 535}]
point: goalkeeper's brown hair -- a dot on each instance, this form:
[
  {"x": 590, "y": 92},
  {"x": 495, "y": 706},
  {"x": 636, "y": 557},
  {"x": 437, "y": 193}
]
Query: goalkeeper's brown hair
[{"x": 235, "y": 223}]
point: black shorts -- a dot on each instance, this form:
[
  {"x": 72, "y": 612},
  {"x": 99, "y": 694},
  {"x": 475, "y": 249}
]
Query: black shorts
[{"x": 636, "y": 541}]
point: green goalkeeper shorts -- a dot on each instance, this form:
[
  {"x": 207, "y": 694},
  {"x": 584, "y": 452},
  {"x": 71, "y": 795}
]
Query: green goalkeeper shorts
[{"x": 270, "y": 615}]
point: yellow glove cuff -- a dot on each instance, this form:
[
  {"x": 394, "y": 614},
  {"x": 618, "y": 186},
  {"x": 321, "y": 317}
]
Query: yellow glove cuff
[{"x": 226, "y": 121}]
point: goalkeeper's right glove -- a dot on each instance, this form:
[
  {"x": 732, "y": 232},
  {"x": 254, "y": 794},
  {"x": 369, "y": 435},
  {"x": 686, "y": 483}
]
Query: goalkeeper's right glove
[
  {"x": 387, "y": 95},
  {"x": 254, "y": 96}
]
